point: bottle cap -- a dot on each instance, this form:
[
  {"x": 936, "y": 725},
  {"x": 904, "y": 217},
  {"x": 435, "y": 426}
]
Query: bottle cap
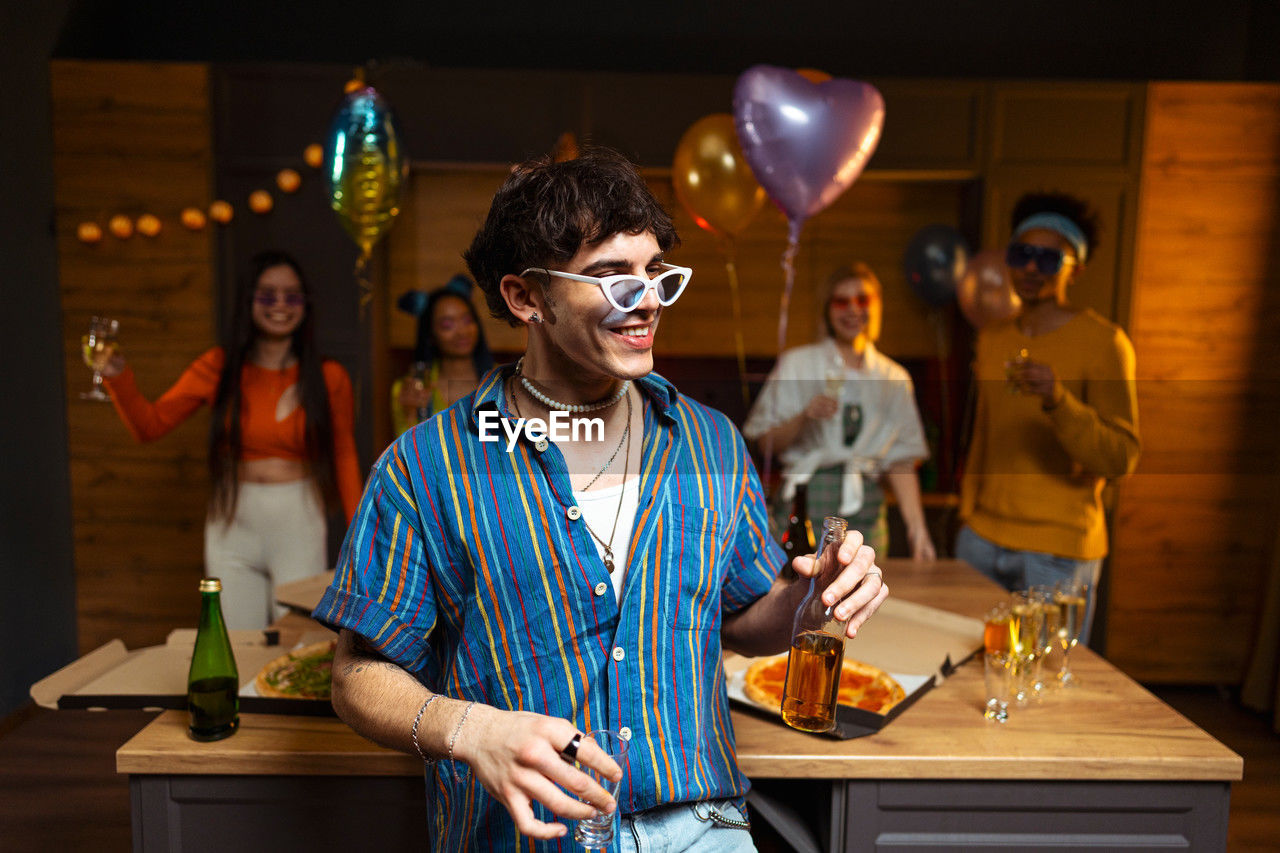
[{"x": 211, "y": 585}]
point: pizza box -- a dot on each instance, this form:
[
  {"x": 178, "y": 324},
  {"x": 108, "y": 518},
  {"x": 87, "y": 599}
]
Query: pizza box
[
  {"x": 113, "y": 677},
  {"x": 303, "y": 595},
  {"x": 919, "y": 646}
]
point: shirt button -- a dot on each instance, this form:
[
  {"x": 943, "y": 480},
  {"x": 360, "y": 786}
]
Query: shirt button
[
  {"x": 541, "y": 444},
  {"x": 618, "y": 653},
  {"x": 601, "y": 587},
  {"x": 624, "y": 733},
  {"x": 574, "y": 513}
]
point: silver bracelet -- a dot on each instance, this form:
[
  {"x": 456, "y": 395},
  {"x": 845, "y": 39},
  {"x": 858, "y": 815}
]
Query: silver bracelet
[
  {"x": 458, "y": 728},
  {"x": 433, "y": 697}
]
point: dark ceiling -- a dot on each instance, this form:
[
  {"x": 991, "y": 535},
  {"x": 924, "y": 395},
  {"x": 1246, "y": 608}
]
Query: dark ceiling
[{"x": 1085, "y": 39}]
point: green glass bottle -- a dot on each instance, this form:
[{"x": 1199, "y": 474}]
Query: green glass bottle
[{"x": 213, "y": 684}]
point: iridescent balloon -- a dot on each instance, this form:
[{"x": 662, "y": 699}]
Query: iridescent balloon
[
  {"x": 365, "y": 167},
  {"x": 806, "y": 142}
]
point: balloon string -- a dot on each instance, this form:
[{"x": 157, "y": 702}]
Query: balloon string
[
  {"x": 364, "y": 289},
  {"x": 944, "y": 353},
  {"x": 735, "y": 297},
  {"x": 784, "y": 310},
  {"x": 364, "y": 286}
]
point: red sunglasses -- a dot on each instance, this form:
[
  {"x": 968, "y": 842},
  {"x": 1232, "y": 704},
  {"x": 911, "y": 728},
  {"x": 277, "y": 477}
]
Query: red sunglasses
[{"x": 841, "y": 303}]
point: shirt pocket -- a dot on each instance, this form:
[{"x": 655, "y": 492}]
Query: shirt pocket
[{"x": 696, "y": 542}]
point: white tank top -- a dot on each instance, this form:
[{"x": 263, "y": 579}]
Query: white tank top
[{"x": 598, "y": 509}]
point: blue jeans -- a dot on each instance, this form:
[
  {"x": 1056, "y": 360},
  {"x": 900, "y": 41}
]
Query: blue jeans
[
  {"x": 707, "y": 827},
  {"x": 1021, "y": 569}
]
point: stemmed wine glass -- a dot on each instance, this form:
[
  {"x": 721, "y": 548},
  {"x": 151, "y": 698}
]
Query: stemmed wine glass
[
  {"x": 1071, "y": 598},
  {"x": 97, "y": 347}
]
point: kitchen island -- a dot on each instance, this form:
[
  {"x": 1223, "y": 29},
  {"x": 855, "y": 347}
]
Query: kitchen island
[{"x": 1103, "y": 766}]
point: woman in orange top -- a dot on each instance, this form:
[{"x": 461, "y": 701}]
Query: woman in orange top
[{"x": 281, "y": 447}]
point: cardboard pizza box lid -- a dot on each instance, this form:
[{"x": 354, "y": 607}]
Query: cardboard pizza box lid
[
  {"x": 112, "y": 676},
  {"x": 303, "y": 595}
]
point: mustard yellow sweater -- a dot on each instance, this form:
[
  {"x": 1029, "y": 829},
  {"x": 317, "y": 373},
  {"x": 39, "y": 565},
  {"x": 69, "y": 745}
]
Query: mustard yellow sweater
[{"x": 1033, "y": 479}]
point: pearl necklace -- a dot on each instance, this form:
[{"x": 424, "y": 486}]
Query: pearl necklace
[{"x": 573, "y": 408}]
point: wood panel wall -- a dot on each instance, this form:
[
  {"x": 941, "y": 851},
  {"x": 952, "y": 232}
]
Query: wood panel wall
[
  {"x": 134, "y": 138},
  {"x": 1194, "y": 534},
  {"x": 873, "y": 222}
]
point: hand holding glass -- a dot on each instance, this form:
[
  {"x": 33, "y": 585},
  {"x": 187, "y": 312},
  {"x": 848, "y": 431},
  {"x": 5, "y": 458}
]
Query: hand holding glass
[
  {"x": 597, "y": 830},
  {"x": 98, "y": 347}
]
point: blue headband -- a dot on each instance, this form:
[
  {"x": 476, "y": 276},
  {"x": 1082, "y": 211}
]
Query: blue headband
[{"x": 1060, "y": 225}]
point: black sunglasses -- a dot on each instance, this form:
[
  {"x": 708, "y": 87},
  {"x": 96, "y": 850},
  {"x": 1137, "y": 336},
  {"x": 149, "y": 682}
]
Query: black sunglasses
[{"x": 1048, "y": 261}]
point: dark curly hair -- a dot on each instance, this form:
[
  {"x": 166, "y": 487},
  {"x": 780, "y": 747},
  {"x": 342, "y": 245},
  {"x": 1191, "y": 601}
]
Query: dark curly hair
[
  {"x": 546, "y": 211},
  {"x": 1077, "y": 210}
]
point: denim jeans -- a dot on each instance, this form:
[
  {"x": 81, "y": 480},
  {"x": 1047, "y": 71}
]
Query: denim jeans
[
  {"x": 706, "y": 827},
  {"x": 1021, "y": 569}
]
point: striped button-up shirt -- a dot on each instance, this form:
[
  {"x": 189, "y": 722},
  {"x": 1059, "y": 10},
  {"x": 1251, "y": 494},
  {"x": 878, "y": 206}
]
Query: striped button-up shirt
[{"x": 471, "y": 567}]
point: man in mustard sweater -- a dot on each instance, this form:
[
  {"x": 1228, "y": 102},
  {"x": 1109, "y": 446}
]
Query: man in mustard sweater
[{"x": 1057, "y": 415}]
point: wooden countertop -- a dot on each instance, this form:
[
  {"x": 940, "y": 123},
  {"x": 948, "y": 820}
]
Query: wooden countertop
[{"x": 1110, "y": 728}]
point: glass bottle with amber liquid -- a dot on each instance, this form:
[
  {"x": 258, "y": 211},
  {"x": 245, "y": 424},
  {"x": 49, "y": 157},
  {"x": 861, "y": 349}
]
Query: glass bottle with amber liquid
[
  {"x": 798, "y": 539},
  {"x": 213, "y": 682},
  {"x": 817, "y": 644}
]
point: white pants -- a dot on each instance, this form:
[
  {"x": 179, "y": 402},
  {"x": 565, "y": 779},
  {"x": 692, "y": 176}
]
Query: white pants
[{"x": 278, "y": 535}]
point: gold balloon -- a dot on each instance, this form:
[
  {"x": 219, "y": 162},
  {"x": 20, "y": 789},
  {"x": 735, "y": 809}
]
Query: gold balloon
[
  {"x": 712, "y": 178},
  {"x": 813, "y": 75}
]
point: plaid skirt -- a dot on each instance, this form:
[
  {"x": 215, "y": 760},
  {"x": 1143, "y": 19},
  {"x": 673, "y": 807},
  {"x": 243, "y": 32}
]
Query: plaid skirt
[{"x": 824, "y": 499}]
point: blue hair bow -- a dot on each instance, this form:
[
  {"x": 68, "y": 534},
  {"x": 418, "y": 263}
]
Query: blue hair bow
[{"x": 415, "y": 301}]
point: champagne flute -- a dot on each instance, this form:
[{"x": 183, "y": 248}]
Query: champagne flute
[
  {"x": 1025, "y": 621},
  {"x": 1071, "y": 598},
  {"x": 97, "y": 347},
  {"x": 997, "y": 663},
  {"x": 1047, "y": 641},
  {"x": 1012, "y": 364},
  {"x": 833, "y": 377}
]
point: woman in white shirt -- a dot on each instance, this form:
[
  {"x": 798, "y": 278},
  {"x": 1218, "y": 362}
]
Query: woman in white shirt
[{"x": 841, "y": 416}]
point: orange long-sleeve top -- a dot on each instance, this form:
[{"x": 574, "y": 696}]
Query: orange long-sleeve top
[{"x": 272, "y": 420}]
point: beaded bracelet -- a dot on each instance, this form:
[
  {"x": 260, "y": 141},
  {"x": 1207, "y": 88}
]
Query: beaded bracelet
[
  {"x": 433, "y": 697},
  {"x": 458, "y": 728}
]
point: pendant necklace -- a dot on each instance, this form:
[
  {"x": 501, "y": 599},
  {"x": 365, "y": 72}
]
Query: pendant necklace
[{"x": 622, "y": 496}]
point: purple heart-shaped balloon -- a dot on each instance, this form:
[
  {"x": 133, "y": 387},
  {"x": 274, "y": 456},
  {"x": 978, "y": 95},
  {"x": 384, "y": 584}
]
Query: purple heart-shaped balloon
[{"x": 806, "y": 142}]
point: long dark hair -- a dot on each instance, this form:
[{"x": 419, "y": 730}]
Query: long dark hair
[
  {"x": 427, "y": 349},
  {"x": 225, "y": 441}
]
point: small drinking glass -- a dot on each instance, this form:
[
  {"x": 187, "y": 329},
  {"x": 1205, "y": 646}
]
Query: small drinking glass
[
  {"x": 597, "y": 830},
  {"x": 1072, "y": 598},
  {"x": 97, "y": 347},
  {"x": 997, "y": 663}
]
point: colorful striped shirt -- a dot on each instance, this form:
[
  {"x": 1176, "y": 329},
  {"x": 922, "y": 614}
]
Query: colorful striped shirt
[{"x": 470, "y": 567}]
